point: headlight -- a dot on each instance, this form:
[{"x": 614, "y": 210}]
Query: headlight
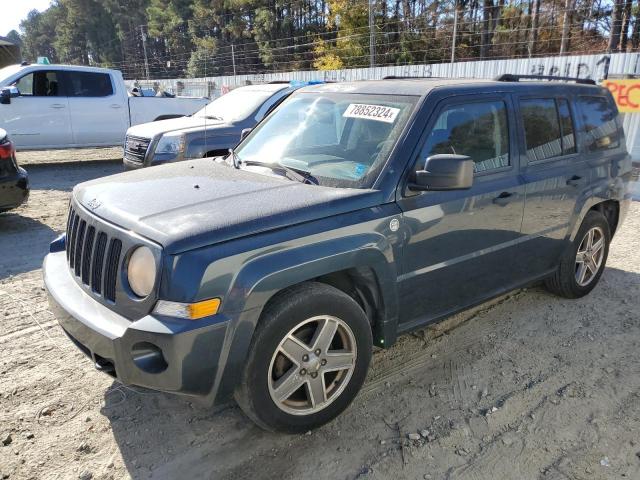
[
  {"x": 141, "y": 272},
  {"x": 171, "y": 143}
]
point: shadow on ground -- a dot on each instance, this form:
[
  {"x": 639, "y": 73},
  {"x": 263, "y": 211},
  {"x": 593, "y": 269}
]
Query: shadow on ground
[
  {"x": 25, "y": 233},
  {"x": 67, "y": 175},
  {"x": 23, "y": 242}
]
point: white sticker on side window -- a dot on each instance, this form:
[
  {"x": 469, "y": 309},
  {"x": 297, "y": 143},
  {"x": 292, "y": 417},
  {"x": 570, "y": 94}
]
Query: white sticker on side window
[{"x": 372, "y": 112}]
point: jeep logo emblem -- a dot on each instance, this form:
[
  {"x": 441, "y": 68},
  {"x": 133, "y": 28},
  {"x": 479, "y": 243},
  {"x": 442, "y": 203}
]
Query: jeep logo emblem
[{"x": 93, "y": 204}]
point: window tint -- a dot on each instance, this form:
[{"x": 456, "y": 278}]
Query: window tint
[
  {"x": 541, "y": 128},
  {"x": 89, "y": 84},
  {"x": 478, "y": 130},
  {"x": 599, "y": 119},
  {"x": 566, "y": 125},
  {"x": 548, "y": 128},
  {"x": 39, "y": 84}
]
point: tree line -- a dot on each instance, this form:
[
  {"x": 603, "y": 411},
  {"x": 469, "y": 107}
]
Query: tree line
[{"x": 193, "y": 38}]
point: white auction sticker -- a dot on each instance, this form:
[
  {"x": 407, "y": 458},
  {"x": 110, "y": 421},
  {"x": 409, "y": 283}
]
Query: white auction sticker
[{"x": 372, "y": 112}]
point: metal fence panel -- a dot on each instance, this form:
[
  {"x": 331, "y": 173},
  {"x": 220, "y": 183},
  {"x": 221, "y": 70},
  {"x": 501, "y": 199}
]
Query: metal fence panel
[{"x": 595, "y": 67}]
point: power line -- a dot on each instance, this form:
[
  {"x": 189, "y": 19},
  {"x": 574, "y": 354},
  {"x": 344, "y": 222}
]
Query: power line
[{"x": 423, "y": 23}]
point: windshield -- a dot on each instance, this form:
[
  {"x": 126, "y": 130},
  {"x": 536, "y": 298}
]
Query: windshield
[
  {"x": 342, "y": 139},
  {"x": 7, "y": 72},
  {"x": 236, "y": 105}
]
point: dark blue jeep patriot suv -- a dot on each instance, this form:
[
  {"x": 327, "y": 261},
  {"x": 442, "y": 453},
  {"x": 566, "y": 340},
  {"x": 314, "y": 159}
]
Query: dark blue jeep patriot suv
[{"x": 353, "y": 213}]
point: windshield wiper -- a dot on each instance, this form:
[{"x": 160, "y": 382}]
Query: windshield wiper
[
  {"x": 213, "y": 117},
  {"x": 294, "y": 174}
]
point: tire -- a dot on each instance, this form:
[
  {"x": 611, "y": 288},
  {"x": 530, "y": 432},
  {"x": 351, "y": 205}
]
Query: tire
[
  {"x": 565, "y": 281},
  {"x": 301, "y": 312}
]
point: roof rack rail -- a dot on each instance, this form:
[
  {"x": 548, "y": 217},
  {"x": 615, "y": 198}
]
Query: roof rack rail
[
  {"x": 509, "y": 77},
  {"x": 400, "y": 77},
  {"x": 276, "y": 82}
]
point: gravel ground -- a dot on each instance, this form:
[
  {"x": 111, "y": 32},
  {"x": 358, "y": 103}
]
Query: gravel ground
[
  {"x": 527, "y": 386},
  {"x": 39, "y": 157}
]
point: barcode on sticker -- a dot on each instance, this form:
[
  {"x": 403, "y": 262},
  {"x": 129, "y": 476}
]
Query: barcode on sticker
[{"x": 372, "y": 112}]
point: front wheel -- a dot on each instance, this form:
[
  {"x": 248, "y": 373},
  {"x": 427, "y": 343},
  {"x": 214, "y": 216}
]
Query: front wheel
[
  {"x": 307, "y": 360},
  {"x": 583, "y": 263}
]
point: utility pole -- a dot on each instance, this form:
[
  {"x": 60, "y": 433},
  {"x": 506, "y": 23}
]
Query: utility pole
[
  {"x": 144, "y": 47},
  {"x": 372, "y": 36},
  {"x": 233, "y": 59},
  {"x": 455, "y": 36}
]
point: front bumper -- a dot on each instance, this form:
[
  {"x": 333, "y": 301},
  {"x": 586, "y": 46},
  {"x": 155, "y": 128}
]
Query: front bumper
[
  {"x": 161, "y": 353},
  {"x": 131, "y": 164},
  {"x": 14, "y": 190},
  {"x": 148, "y": 162}
]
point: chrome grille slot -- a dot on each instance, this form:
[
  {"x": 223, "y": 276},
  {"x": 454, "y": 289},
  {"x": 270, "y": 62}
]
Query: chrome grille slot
[
  {"x": 78, "y": 246},
  {"x": 69, "y": 224},
  {"x": 86, "y": 254},
  {"x": 98, "y": 262},
  {"x": 72, "y": 239},
  {"x": 111, "y": 269}
]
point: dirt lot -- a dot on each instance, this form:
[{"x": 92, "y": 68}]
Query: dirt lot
[
  {"x": 39, "y": 157},
  {"x": 529, "y": 386}
]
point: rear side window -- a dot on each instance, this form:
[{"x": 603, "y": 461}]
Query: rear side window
[
  {"x": 548, "y": 128},
  {"x": 89, "y": 84},
  {"x": 478, "y": 130},
  {"x": 599, "y": 119}
]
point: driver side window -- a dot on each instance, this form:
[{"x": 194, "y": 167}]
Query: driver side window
[
  {"x": 39, "y": 84},
  {"x": 478, "y": 130}
]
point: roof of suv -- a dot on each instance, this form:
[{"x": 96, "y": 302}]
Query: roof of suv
[
  {"x": 422, "y": 86},
  {"x": 264, "y": 87}
]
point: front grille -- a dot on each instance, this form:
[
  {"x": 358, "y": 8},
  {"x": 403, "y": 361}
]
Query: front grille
[
  {"x": 86, "y": 247},
  {"x": 135, "y": 148}
]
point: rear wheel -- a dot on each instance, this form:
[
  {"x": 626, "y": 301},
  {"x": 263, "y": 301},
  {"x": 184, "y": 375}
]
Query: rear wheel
[
  {"x": 307, "y": 361},
  {"x": 582, "y": 265}
]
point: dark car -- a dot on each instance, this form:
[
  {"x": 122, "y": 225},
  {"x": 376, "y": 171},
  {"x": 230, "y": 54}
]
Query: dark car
[
  {"x": 14, "y": 182},
  {"x": 209, "y": 132},
  {"x": 354, "y": 213}
]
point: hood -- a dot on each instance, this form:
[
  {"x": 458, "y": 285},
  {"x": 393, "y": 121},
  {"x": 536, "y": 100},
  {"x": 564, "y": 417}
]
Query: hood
[
  {"x": 151, "y": 129},
  {"x": 196, "y": 203}
]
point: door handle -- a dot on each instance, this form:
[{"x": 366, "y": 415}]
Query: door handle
[
  {"x": 115, "y": 105},
  {"x": 57, "y": 105},
  {"x": 504, "y": 198},
  {"x": 575, "y": 181}
]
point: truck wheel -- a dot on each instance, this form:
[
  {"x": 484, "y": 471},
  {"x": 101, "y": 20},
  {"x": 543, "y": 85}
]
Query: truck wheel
[
  {"x": 583, "y": 263},
  {"x": 307, "y": 361}
]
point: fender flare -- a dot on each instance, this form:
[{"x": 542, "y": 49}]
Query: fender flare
[
  {"x": 601, "y": 194},
  {"x": 269, "y": 274}
]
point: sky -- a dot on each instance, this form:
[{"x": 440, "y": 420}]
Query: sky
[{"x": 14, "y": 11}]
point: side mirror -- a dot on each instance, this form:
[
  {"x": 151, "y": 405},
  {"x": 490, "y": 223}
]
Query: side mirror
[
  {"x": 5, "y": 96},
  {"x": 7, "y": 93},
  {"x": 444, "y": 172},
  {"x": 244, "y": 133}
]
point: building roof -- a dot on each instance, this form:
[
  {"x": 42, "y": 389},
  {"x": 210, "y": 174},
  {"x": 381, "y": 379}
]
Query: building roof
[{"x": 4, "y": 41}]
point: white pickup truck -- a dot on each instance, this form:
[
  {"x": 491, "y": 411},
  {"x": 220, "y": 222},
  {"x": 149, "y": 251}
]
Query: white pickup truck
[{"x": 61, "y": 106}]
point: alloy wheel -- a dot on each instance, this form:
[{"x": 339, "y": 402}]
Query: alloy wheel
[
  {"x": 312, "y": 365},
  {"x": 589, "y": 256}
]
